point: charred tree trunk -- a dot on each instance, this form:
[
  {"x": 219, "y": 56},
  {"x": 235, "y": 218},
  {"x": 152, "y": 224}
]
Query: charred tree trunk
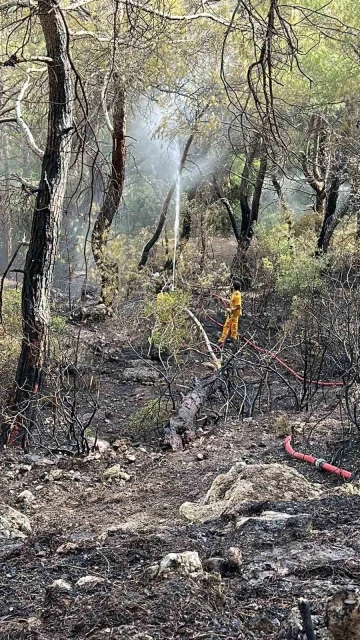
[
  {"x": 100, "y": 234},
  {"x": 160, "y": 226},
  {"x": 245, "y": 189},
  {"x": 181, "y": 428},
  {"x": 332, "y": 222},
  {"x": 285, "y": 215},
  {"x": 328, "y": 226},
  {"x": 240, "y": 267},
  {"x": 46, "y": 221},
  {"x": 229, "y": 209}
]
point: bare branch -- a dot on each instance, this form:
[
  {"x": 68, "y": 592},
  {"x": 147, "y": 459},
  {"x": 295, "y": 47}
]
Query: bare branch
[
  {"x": 103, "y": 102},
  {"x": 176, "y": 18},
  {"x": 21, "y": 122},
  {"x": 207, "y": 341}
]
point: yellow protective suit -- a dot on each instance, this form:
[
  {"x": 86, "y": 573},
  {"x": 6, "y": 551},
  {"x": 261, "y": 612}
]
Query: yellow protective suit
[{"x": 230, "y": 328}]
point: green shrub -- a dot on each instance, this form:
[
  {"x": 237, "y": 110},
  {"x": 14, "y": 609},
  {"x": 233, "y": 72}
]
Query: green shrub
[
  {"x": 171, "y": 331},
  {"x": 290, "y": 262}
]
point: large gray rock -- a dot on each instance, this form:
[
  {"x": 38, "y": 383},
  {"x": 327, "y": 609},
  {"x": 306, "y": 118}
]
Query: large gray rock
[{"x": 243, "y": 483}]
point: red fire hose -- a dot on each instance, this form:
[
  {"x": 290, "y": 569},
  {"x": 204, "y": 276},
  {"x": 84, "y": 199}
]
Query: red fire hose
[
  {"x": 320, "y": 383},
  {"x": 317, "y": 462}
]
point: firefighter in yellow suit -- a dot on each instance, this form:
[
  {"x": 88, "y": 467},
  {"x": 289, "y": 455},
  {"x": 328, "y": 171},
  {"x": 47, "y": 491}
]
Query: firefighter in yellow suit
[{"x": 230, "y": 328}]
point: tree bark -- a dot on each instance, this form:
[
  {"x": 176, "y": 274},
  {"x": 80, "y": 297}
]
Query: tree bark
[
  {"x": 240, "y": 268},
  {"x": 45, "y": 229},
  {"x": 328, "y": 228},
  {"x": 160, "y": 226},
  {"x": 181, "y": 429},
  {"x": 100, "y": 234},
  {"x": 330, "y": 224}
]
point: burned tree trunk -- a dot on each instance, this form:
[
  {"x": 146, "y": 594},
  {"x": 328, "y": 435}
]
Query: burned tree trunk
[
  {"x": 45, "y": 227},
  {"x": 100, "y": 234},
  {"x": 328, "y": 226},
  {"x": 160, "y": 226},
  {"x": 250, "y": 214},
  {"x": 316, "y": 161}
]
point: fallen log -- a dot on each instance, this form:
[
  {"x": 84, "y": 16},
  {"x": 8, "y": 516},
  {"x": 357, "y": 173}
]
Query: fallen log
[{"x": 181, "y": 429}]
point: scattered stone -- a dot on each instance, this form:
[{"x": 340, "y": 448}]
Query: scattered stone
[
  {"x": 343, "y": 615},
  {"x": 140, "y": 373},
  {"x": 36, "y": 460},
  {"x": 13, "y": 523},
  {"x": 24, "y": 468},
  {"x": 187, "y": 562},
  {"x": 96, "y": 444},
  {"x": 130, "y": 457},
  {"x": 200, "y": 456},
  {"x": 89, "y": 581},
  {"x": 67, "y": 547},
  {"x": 119, "y": 444},
  {"x": 60, "y": 585},
  {"x": 26, "y": 497},
  {"x": 116, "y": 472},
  {"x": 54, "y": 475}
]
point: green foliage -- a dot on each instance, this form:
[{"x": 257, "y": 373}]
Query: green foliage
[
  {"x": 171, "y": 330},
  {"x": 289, "y": 263},
  {"x": 152, "y": 415}
]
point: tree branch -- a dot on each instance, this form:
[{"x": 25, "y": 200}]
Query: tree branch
[{"x": 21, "y": 122}]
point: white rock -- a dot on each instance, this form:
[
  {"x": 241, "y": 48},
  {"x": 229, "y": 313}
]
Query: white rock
[
  {"x": 130, "y": 457},
  {"x": 186, "y": 562},
  {"x": 86, "y": 581},
  {"x": 100, "y": 445},
  {"x": 26, "y": 497},
  {"x": 13, "y": 523},
  {"x": 60, "y": 585},
  {"x": 116, "y": 472}
]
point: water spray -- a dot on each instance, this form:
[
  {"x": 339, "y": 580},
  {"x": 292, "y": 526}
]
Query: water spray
[{"x": 177, "y": 218}]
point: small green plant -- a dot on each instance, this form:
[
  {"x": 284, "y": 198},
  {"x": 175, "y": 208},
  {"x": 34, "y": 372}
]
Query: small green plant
[
  {"x": 171, "y": 331},
  {"x": 152, "y": 415}
]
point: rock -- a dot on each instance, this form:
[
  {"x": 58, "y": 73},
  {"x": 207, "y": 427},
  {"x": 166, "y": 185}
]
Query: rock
[
  {"x": 89, "y": 581},
  {"x": 200, "y": 456},
  {"x": 140, "y": 373},
  {"x": 119, "y": 444},
  {"x": 37, "y": 461},
  {"x": 130, "y": 457},
  {"x": 60, "y": 585},
  {"x": 187, "y": 562},
  {"x": 26, "y": 497},
  {"x": 293, "y": 557},
  {"x": 254, "y": 482},
  {"x": 24, "y": 468},
  {"x": 96, "y": 444},
  {"x": 343, "y": 615},
  {"x": 225, "y": 566},
  {"x": 13, "y": 523},
  {"x": 54, "y": 474},
  {"x": 274, "y": 521},
  {"x": 67, "y": 547},
  {"x": 116, "y": 472}
]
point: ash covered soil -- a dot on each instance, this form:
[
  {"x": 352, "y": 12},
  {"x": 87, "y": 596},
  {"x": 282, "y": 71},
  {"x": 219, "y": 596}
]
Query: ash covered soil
[{"x": 85, "y": 523}]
